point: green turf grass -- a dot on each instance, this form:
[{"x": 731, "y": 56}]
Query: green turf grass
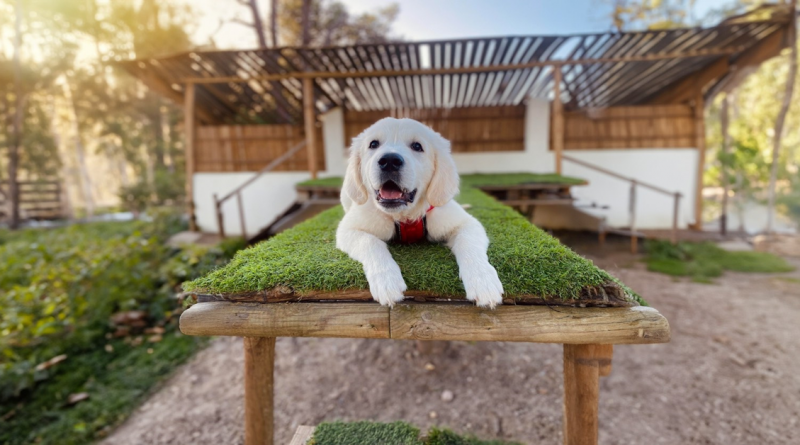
[
  {"x": 446, "y": 437},
  {"x": 363, "y": 432},
  {"x": 395, "y": 433},
  {"x": 305, "y": 258},
  {"x": 476, "y": 180},
  {"x": 704, "y": 261}
]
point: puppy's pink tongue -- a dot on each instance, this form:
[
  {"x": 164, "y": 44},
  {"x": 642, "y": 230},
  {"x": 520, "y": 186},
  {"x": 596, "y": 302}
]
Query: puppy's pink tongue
[{"x": 391, "y": 193}]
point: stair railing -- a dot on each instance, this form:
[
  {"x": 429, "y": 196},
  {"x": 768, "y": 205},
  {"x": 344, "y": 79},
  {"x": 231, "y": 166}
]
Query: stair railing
[
  {"x": 237, "y": 192},
  {"x": 634, "y": 183}
]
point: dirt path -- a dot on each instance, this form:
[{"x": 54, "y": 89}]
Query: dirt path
[{"x": 729, "y": 376}]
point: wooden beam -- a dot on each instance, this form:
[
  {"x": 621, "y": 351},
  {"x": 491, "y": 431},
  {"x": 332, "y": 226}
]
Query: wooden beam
[
  {"x": 348, "y": 320},
  {"x": 259, "y": 389},
  {"x": 310, "y": 120},
  {"x": 557, "y": 128},
  {"x": 463, "y": 70},
  {"x": 429, "y": 321},
  {"x": 690, "y": 86},
  {"x": 767, "y": 48},
  {"x": 189, "y": 128},
  {"x": 535, "y": 324},
  {"x": 159, "y": 86},
  {"x": 700, "y": 134},
  {"x": 747, "y": 62}
]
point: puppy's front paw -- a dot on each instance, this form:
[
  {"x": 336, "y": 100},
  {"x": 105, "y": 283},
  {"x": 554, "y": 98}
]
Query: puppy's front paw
[
  {"x": 483, "y": 286},
  {"x": 387, "y": 288}
]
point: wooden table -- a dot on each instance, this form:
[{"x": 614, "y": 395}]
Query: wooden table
[{"x": 588, "y": 336}]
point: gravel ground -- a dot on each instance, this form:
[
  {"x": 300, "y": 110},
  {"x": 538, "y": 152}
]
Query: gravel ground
[{"x": 729, "y": 376}]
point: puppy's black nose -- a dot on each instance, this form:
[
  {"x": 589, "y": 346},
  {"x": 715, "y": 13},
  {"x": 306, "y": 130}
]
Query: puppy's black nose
[{"x": 390, "y": 162}]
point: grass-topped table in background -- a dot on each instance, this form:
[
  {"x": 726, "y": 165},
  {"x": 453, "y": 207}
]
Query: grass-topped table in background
[
  {"x": 523, "y": 191},
  {"x": 298, "y": 284}
]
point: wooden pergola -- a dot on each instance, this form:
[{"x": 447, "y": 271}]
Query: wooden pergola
[{"x": 578, "y": 72}]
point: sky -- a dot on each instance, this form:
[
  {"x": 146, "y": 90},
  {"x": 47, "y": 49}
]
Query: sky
[{"x": 438, "y": 19}]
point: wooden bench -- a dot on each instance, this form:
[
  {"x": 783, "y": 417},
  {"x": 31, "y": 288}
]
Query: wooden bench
[{"x": 588, "y": 336}]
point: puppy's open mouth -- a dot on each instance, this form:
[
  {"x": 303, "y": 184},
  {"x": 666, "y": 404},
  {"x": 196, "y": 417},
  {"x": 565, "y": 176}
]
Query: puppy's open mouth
[{"x": 391, "y": 195}]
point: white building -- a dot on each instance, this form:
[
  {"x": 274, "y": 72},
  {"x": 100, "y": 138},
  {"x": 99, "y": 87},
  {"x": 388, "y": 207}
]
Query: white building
[{"x": 611, "y": 108}]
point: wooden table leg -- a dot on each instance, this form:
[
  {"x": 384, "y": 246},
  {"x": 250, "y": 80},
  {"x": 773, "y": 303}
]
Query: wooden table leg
[
  {"x": 259, "y": 364},
  {"x": 583, "y": 365}
]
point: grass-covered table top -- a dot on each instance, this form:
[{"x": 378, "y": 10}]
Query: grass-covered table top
[
  {"x": 395, "y": 433},
  {"x": 475, "y": 180},
  {"x": 303, "y": 263}
]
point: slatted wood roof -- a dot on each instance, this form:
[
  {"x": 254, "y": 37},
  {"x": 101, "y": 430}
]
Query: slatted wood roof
[{"x": 599, "y": 70}]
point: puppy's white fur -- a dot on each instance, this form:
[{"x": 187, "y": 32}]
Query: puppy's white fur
[{"x": 367, "y": 225}]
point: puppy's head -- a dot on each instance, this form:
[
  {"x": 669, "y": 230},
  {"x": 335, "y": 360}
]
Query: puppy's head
[{"x": 401, "y": 164}]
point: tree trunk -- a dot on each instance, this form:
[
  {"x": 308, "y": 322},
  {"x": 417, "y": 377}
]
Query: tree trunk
[
  {"x": 281, "y": 105},
  {"x": 66, "y": 203},
  {"x": 80, "y": 154},
  {"x": 16, "y": 140},
  {"x": 273, "y": 22},
  {"x": 258, "y": 25},
  {"x": 166, "y": 138},
  {"x": 779, "y": 122},
  {"x": 726, "y": 148},
  {"x": 306, "y": 22}
]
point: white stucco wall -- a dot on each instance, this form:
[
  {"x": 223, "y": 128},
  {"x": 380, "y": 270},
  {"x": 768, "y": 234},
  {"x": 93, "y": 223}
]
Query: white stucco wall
[
  {"x": 334, "y": 143},
  {"x": 672, "y": 169},
  {"x": 272, "y": 193},
  {"x": 264, "y": 200}
]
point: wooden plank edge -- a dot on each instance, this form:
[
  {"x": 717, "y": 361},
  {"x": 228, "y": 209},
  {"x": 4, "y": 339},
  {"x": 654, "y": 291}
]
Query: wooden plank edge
[
  {"x": 326, "y": 320},
  {"x": 430, "y": 321},
  {"x": 636, "y": 325},
  {"x": 302, "y": 435},
  {"x": 608, "y": 295}
]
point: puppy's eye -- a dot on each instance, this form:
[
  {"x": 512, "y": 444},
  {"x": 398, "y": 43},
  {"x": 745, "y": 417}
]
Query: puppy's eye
[
  {"x": 416, "y": 146},
  {"x": 374, "y": 144}
]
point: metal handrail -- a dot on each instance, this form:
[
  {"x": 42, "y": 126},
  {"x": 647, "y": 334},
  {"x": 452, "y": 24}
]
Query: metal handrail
[
  {"x": 632, "y": 199},
  {"x": 238, "y": 190}
]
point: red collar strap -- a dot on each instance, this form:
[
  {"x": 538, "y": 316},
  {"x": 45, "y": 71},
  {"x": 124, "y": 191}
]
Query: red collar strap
[{"x": 410, "y": 232}]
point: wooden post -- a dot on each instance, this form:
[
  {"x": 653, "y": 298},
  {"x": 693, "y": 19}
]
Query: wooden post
[
  {"x": 309, "y": 116},
  {"x": 558, "y": 118},
  {"x": 632, "y": 217},
  {"x": 676, "y": 207},
  {"x": 726, "y": 146},
  {"x": 583, "y": 365},
  {"x": 241, "y": 214},
  {"x": 604, "y": 355},
  {"x": 259, "y": 363},
  {"x": 220, "y": 217},
  {"x": 700, "y": 134},
  {"x": 189, "y": 137}
]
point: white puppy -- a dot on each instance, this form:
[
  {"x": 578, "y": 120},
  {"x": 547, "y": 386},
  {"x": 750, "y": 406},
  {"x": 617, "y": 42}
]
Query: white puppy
[{"x": 400, "y": 184}]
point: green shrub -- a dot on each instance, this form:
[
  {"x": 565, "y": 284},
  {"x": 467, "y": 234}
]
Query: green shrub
[
  {"x": 58, "y": 291},
  {"x": 59, "y": 287},
  {"x": 704, "y": 261}
]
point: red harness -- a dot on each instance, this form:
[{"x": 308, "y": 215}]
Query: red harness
[{"x": 410, "y": 232}]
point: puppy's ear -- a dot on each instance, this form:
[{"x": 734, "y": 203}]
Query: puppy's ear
[
  {"x": 444, "y": 184},
  {"x": 353, "y": 184}
]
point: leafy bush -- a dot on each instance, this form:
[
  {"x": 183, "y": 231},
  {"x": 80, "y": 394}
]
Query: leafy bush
[
  {"x": 704, "y": 261},
  {"x": 167, "y": 188},
  {"x": 61, "y": 292},
  {"x": 59, "y": 288}
]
